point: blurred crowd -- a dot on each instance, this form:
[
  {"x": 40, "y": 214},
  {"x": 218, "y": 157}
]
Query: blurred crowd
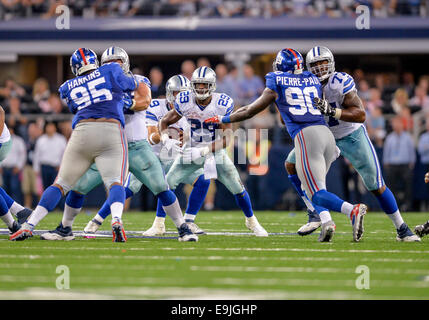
[
  {"x": 397, "y": 122},
  {"x": 10, "y": 9}
]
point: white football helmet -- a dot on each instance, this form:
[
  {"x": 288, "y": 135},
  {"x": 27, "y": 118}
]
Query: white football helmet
[
  {"x": 176, "y": 83},
  {"x": 115, "y": 53},
  {"x": 207, "y": 76},
  {"x": 316, "y": 54}
]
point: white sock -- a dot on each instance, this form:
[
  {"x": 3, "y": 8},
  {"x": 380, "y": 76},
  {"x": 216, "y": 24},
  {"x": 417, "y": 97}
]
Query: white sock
[
  {"x": 189, "y": 217},
  {"x": 116, "y": 208},
  {"x": 175, "y": 213},
  {"x": 98, "y": 218},
  {"x": 38, "y": 214},
  {"x": 396, "y": 219},
  {"x": 346, "y": 208},
  {"x": 8, "y": 219},
  {"x": 15, "y": 208},
  {"x": 325, "y": 216},
  {"x": 69, "y": 214}
]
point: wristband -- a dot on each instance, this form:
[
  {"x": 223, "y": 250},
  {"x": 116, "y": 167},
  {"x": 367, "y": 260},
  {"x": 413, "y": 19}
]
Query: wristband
[
  {"x": 225, "y": 119},
  {"x": 150, "y": 138},
  {"x": 133, "y": 105},
  {"x": 338, "y": 112}
]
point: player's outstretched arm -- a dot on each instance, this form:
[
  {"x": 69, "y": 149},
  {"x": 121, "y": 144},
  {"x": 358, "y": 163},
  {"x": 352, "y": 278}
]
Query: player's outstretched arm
[{"x": 247, "y": 112}]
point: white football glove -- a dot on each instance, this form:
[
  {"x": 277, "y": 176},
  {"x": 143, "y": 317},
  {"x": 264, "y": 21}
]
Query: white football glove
[
  {"x": 195, "y": 153},
  {"x": 170, "y": 147}
]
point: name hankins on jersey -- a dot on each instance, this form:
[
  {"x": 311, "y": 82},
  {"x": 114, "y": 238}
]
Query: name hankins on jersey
[{"x": 98, "y": 94}]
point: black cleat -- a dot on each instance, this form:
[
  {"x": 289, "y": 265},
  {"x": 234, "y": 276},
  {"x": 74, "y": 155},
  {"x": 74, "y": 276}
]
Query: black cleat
[
  {"x": 422, "y": 229},
  {"x": 15, "y": 227}
]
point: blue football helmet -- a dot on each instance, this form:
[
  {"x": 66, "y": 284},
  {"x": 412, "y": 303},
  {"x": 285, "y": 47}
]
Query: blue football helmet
[
  {"x": 289, "y": 60},
  {"x": 83, "y": 60}
]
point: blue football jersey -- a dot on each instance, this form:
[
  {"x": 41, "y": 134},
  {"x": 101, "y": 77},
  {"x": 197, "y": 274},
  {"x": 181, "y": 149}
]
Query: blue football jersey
[
  {"x": 295, "y": 99},
  {"x": 98, "y": 94}
]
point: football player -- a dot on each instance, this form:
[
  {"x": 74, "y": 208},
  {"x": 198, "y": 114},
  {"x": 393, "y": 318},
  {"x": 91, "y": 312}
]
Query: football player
[
  {"x": 157, "y": 109},
  {"x": 8, "y": 206},
  {"x": 346, "y": 115},
  {"x": 142, "y": 162},
  {"x": 423, "y": 229},
  {"x": 294, "y": 91},
  {"x": 206, "y": 148},
  {"x": 95, "y": 96}
]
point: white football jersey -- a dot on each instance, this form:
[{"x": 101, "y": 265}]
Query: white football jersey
[
  {"x": 158, "y": 109},
  {"x": 203, "y": 133},
  {"x": 338, "y": 85},
  {"x": 5, "y": 135},
  {"x": 135, "y": 123}
]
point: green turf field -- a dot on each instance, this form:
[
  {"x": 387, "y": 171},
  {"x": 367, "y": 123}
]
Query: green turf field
[{"x": 220, "y": 267}]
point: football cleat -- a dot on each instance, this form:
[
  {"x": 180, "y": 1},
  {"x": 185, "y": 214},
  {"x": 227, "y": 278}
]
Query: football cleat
[
  {"x": 253, "y": 224},
  {"x": 422, "y": 229},
  {"x": 185, "y": 233},
  {"x": 312, "y": 225},
  {"x": 356, "y": 217},
  {"x": 23, "y": 233},
  {"x": 406, "y": 235},
  {"x": 92, "y": 226},
  {"x": 157, "y": 229},
  {"x": 23, "y": 215},
  {"x": 328, "y": 230},
  {"x": 15, "y": 227},
  {"x": 60, "y": 233},
  {"x": 194, "y": 228},
  {"x": 118, "y": 231}
]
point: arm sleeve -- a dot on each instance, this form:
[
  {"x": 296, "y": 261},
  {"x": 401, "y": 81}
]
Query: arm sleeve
[
  {"x": 270, "y": 81},
  {"x": 124, "y": 82},
  {"x": 349, "y": 84},
  {"x": 230, "y": 107},
  {"x": 66, "y": 100}
]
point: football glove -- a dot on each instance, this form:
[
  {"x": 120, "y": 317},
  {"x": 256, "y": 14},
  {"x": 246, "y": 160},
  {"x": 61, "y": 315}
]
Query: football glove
[
  {"x": 195, "y": 153},
  {"x": 170, "y": 144},
  {"x": 170, "y": 148},
  {"x": 324, "y": 107},
  {"x": 216, "y": 119},
  {"x": 129, "y": 103}
]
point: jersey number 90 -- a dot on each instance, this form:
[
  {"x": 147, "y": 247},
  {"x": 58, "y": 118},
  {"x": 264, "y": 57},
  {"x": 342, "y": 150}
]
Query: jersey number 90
[{"x": 301, "y": 100}]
